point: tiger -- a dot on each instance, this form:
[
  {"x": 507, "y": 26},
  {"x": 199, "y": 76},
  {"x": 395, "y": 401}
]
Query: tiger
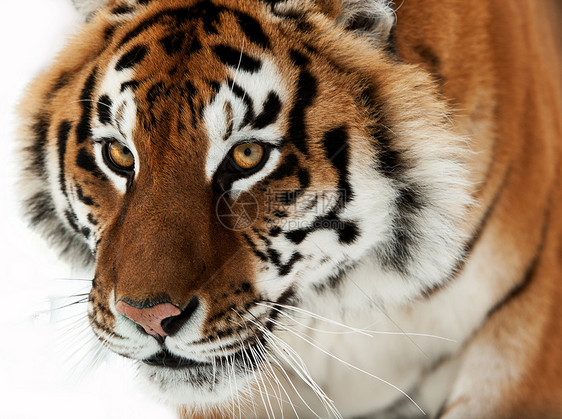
[{"x": 313, "y": 208}]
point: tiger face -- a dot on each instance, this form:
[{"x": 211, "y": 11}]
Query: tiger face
[{"x": 218, "y": 161}]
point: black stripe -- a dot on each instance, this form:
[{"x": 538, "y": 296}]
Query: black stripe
[
  {"x": 62, "y": 139},
  {"x": 270, "y": 112},
  {"x": 40, "y": 129},
  {"x": 262, "y": 256},
  {"x": 236, "y": 59},
  {"x": 241, "y": 94},
  {"x": 83, "y": 129},
  {"x": 132, "y": 58},
  {"x": 85, "y": 161},
  {"x": 336, "y": 145},
  {"x": 108, "y": 34},
  {"x": 305, "y": 94},
  {"x": 86, "y": 200},
  {"x": 297, "y": 236},
  {"x": 398, "y": 251},
  {"x": 40, "y": 208},
  {"x": 62, "y": 80},
  {"x": 252, "y": 29},
  {"x": 285, "y": 269},
  {"x": 175, "y": 17},
  {"x": 471, "y": 244},
  {"x": 529, "y": 272},
  {"x": 298, "y": 59},
  {"x": 275, "y": 231},
  {"x": 410, "y": 199},
  {"x": 72, "y": 220},
  {"x": 86, "y": 232},
  {"x": 348, "y": 233},
  {"x": 122, "y": 10},
  {"x": 104, "y": 109},
  {"x": 389, "y": 160},
  {"x": 173, "y": 43},
  {"x": 190, "y": 92},
  {"x": 133, "y": 84}
]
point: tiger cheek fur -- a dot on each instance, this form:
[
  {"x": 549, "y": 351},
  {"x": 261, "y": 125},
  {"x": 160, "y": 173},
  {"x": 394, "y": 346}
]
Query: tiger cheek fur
[{"x": 225, "y": 165}]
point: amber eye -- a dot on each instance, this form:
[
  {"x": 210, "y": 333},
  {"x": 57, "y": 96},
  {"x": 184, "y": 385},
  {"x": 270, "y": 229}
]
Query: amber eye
[
  {"x": 248, "y": 155},
  {"x": 120, "y": 156}
]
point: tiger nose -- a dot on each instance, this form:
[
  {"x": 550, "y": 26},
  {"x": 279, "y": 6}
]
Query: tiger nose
[{"x": 150, "y": 318}]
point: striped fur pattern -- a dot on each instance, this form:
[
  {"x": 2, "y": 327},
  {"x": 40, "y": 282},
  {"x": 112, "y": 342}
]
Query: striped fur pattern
[{"x": 366, "y": 208}]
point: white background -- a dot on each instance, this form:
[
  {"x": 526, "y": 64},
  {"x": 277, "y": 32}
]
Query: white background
[{"x": 47, "y": 356}]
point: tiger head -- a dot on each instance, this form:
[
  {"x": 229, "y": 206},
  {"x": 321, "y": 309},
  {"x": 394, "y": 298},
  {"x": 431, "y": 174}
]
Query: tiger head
[{"x": 220, "y": 160}]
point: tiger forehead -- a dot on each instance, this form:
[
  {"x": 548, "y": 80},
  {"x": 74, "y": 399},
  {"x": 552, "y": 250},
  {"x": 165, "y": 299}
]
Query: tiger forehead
[
  {"x": 187, "y": 40},
  {"x": 174, "y": 60}
]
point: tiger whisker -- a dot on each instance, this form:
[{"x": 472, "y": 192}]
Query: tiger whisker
[
  {"x": 366, "y": 332},
  {"x": 97, "y": 102},
  {"x": 382, "y": 310},
  {"x": 298, "y": 366},
  {"x": 262, "y": 351},
  {"x": 311, "y": 342}
]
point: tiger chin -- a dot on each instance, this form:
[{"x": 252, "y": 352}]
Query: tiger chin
[{"x": 316, "y": 208}]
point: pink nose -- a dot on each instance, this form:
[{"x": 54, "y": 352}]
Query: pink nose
[{"x": 150, "y": 319}]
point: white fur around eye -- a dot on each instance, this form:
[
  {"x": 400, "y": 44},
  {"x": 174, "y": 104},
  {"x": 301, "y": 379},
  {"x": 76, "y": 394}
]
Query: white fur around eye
[
  {"x": 257, "y": 87},
  {"x": 123, "y": 113}
]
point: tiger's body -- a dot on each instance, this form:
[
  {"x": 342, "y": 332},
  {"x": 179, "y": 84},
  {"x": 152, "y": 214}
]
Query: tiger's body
[{"x": 399, "y": 177}]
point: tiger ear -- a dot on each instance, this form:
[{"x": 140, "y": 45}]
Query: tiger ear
[
  {"x": 88, "y": 7},
  {"x": 373, "y": 19}
]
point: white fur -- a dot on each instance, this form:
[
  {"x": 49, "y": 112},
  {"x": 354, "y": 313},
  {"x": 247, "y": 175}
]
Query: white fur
[
  {"x": 378, "y": 14},
  {"x": 257, "y": 85},
  {"x": 87, "y": 7}
]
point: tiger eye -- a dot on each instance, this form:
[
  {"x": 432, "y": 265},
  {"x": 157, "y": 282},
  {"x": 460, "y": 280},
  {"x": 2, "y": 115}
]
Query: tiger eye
[
  {"x": 121, "y": 156},
  {"x": 248, "y": 155}
]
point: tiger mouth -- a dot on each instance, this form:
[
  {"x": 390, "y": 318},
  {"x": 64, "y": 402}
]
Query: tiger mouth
[{"x": 167, "y": 359}]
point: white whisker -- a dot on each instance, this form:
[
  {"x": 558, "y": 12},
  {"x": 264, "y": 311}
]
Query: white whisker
[{"x": 310, "y": 341}]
